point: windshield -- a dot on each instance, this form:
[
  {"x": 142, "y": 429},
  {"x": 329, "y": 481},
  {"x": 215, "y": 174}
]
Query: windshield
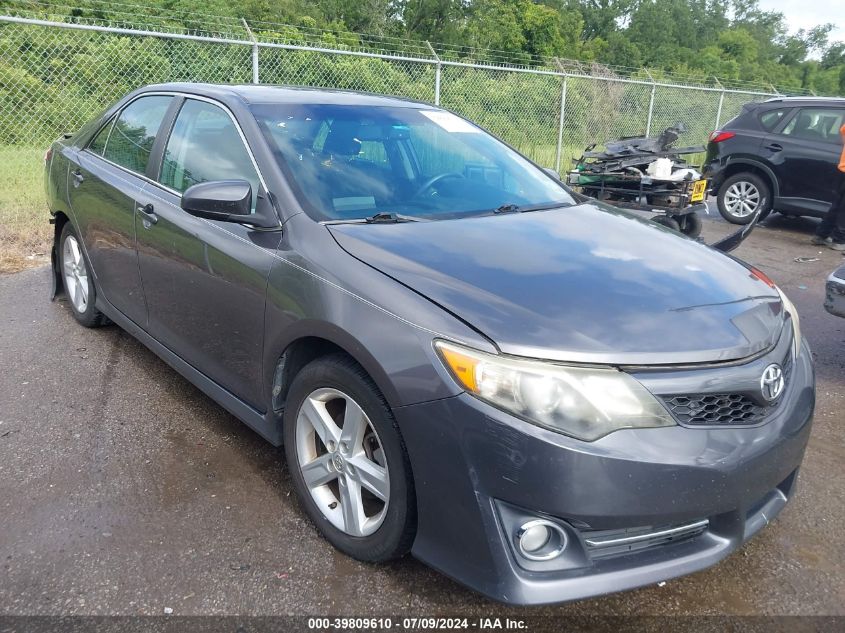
[{"x": 350, "y": 162}]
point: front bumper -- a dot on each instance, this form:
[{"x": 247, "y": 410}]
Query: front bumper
[
  {"x": 476, "y": 467},
  {"x": 835, "y": 293}
]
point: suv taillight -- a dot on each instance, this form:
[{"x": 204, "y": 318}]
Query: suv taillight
[
  {"x": 718, "y": 136},
  {"x": 48, "y": 155}
]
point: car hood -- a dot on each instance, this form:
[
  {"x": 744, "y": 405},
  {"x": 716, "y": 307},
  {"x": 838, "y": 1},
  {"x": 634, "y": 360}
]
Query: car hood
[{"x": 587, "y": 283}]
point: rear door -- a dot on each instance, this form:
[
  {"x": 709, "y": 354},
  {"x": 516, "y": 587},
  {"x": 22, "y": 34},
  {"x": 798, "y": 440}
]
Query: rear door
[
  {"x": 804, "y": 151},
  {"x": 102, "y": 191},
  {"x": 204, "y": 280}
]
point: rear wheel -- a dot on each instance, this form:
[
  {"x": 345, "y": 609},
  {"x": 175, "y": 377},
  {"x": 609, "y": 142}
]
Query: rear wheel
[
  {"x": 77, "y": 279},
  {"x": 742, "y": 195},
  {"x": 348, "y": 462}
]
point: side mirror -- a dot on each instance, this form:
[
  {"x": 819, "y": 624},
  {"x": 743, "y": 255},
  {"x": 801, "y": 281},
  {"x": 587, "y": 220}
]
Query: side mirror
[
  {"x": 551, "y": 172},
  {"x": 224, "y": 200}
]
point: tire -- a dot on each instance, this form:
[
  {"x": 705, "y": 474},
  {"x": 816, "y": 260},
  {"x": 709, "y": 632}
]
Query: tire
[
  {"x": 668, "y": 222},
  {"x": 325, "y": 391},
  {"x": 741, "y": 195},
  {"x": 690, "y": 224},
  {"x": 77, "y": 279}
]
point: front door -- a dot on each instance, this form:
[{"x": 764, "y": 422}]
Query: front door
[
  {"x": 103, "y": 194},
  {"x": 205, "y": 281}
]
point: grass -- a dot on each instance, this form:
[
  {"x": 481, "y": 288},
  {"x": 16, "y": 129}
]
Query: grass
[{"x": 25, "y": 235}]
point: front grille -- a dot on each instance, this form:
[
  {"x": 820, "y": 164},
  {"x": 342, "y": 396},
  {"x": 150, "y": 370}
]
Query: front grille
[
  {"x": 724, "y": 409},
  {"x": 607, "y": 543},
  {"x": 715, "y": 408}
]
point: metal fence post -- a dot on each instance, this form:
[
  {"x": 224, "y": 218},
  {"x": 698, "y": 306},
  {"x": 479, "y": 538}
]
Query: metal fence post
[
  {"x": 437, "y": 68},
  {"x": 254, "y": 52},
  {"x": 650, "y": 104},
  {"x": 721, "y": 102},
  {"x": 559, "y": 150}
]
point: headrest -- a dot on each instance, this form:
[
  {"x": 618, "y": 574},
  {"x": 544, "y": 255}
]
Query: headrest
[{"x": 342, "y": 139}]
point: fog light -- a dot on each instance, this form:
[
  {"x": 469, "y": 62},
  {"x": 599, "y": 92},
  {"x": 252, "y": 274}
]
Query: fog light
[
  {"x": 540, "y": 540},
  {"x": 534, "y": 538}
]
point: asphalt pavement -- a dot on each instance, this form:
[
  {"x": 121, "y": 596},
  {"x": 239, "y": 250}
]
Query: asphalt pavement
[{"x": 124, "y": 490}]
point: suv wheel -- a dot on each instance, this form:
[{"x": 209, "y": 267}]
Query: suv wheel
[
  {"x": 347, "y": 460},
  {"x": 742, "y": 195}
]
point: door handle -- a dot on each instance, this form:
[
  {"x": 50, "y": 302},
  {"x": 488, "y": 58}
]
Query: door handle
[
  {"x": 147, "y": 213},
  {"x": 77, "y": 177},
  {"x": 775, "y": 147}
]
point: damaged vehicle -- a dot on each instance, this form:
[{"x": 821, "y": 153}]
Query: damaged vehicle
[
  {"x": 645, "y": 173},
  {"x": 542, "y": 396}
]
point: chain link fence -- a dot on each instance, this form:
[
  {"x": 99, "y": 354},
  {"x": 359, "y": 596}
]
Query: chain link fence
[{"x": 54, "y": 76}]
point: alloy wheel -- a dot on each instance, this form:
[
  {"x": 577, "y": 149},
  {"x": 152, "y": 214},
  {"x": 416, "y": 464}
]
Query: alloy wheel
[
  {"x": 342, "y": 462},
  {"x": 76, "y": 274},
  {"x": 742, "y": 199}
]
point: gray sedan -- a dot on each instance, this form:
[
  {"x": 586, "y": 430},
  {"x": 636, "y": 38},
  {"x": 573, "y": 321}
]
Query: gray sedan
[{"x": 540, "y": 395}]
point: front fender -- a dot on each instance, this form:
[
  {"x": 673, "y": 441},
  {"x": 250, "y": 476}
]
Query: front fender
[{"x": 316, "y": 289}]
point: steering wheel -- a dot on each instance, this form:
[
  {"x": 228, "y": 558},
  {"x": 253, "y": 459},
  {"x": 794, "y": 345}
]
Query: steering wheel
[{"x": 428, "y": 184}]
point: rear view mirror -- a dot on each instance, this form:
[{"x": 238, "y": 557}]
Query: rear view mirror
[{"x": 224, "y": 200}]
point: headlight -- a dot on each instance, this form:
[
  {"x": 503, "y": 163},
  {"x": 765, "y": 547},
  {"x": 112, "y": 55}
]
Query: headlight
[
  {"x": 583, "y": 402},
  {"x": 796, "y": 322}
]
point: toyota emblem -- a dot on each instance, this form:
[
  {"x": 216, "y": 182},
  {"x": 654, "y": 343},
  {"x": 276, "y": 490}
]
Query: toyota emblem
[{"x": 771, "y": 383}]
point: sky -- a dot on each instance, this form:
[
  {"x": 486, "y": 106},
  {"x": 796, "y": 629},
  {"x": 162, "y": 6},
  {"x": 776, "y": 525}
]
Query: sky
[{"x": 805, "y": 14}]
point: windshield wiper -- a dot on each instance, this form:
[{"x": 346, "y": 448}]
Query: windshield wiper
[
  {"x": 510, "y": 207},
  {"x": 389, "y": 218}
]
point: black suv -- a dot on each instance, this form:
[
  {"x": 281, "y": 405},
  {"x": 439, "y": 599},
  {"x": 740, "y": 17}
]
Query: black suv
[{"x": 780, "y": 155}]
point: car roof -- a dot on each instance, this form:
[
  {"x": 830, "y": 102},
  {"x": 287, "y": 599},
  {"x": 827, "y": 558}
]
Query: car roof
[
  {"x": 270, "y": 94},
  {"x": 838, "y": 101}
]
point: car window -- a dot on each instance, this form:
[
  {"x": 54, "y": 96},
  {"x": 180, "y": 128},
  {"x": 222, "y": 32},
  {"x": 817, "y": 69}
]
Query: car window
[
  {"x": 98, "y": 144},
  {"x": 771, "y": 118},
  {"x": 205, "y": 145},
  {"x": 134, "y": 132},
  {"x": 816, "y": 124},
  {"x": 350, "y": 162}
]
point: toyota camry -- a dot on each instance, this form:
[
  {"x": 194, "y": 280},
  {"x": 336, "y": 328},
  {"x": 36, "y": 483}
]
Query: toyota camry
[{"x": 540, "y": 395}]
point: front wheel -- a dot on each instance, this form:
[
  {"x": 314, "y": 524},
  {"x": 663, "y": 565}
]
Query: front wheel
[
  {"x": 741, "y": 196},
  {"x": 347, "y": 460}
]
